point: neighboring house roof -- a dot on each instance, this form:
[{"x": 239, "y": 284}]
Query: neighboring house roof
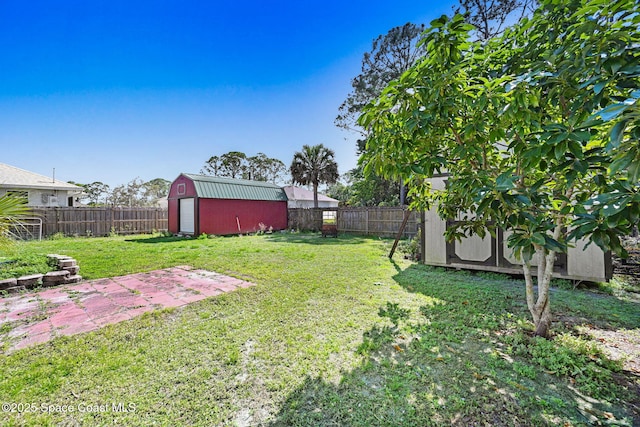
[
  {"x": 214, "y": 187},
  {"x": 13, "y": 177},
  {"x": 298, "y": 193}
]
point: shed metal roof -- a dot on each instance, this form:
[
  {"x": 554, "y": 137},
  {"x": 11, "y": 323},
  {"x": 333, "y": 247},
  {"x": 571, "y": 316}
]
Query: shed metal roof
[{"x": 214, "y": 187}]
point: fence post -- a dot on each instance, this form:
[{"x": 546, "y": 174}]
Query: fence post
[
  {"x": 57, "y": 216},
  {"x": 366, "y": 220}
]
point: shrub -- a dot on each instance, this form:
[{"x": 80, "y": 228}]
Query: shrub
[
  {"x": 567, "y": 355},
  {"x": 411, "y": 248}
]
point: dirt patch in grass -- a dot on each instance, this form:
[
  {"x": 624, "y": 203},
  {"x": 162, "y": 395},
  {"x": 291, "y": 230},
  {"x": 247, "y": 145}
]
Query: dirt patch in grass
[
  {"x": 621, "y": 344},
  {"x": 623, "y": 347},
  {"x": 256, "y": 408}
]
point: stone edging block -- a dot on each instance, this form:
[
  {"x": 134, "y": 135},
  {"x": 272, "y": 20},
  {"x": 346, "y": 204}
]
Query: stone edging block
[
  {"x": 6, "y": 284},
  {"x": 67, "y": 273}
]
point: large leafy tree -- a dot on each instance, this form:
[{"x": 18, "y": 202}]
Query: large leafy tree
[
  {"x": 236, "y": 164},
  {"x": 275, "y": 170},
  {"x": 131, "y": 194},
  {"x": 538, "y": 130},
  {"x": 263, "y": 168},
  {"x": 212, "y": 166},
  {"x": 339, "y": 191},
  {"x": 490, "y": 17},
  {"x": 372, "y": 190},
  {"x": 155, "y": 190},
  {"x": 233, "y": 164},
  {"x": 257, "y": 167},
  {"x": 135, "y": 193},
  {"x": 357, "y": 191},
  {"x": 391, "y": 55},
  {"x": 95, "y": 192},
  {"x": 314, "y": 165}
]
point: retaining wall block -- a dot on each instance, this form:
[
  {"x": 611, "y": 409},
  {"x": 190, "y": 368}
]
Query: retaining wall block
[
  {"x": 73, "y": 279},
  {"x": 30, "y": 281},
  {"x": 72, "y": 270},
  {"x": 54, "y": 277},
  {"x": 8, "y": 283},
  {"x": 63, "y": 263}
]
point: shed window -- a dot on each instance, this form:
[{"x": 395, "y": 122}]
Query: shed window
[{"x": 182, "y": 189}]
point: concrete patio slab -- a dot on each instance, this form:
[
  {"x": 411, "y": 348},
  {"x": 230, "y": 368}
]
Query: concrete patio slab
[{"x": 34, "y": 318}]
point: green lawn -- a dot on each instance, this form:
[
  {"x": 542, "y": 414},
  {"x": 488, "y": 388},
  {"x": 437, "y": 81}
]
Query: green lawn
[{"x": 334, "y": 334}]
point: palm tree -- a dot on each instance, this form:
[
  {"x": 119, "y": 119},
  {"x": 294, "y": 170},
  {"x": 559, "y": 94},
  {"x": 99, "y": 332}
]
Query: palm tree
[
  {"x": 11, "y": 209},
  {"x": 314, "y": 165}
]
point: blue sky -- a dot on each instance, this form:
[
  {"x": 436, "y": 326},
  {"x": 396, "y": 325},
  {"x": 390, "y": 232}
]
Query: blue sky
[{"x": 113, "y": 90}]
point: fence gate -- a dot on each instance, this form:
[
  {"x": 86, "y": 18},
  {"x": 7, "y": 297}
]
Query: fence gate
[{"x": 26, "y": 229}]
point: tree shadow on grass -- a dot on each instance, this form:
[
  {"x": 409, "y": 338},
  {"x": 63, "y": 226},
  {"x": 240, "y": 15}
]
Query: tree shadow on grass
[
  {"x": 318, "y": 239},
  {"x": 161, "y": 239},
  {"x": 308, "y": 238},
  {"x": 177, "y": 239},
  {"x": 425, "y": 380},
  {"x": 498, "y": 292},
  {"x": 465, "y": 359},
  {"x": 611, "y": 323}
]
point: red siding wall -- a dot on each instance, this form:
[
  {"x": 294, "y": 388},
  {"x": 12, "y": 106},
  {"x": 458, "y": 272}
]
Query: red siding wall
[
  {"x": 177, "y": 191},
  {"x": 173, "y": 216},
  {"x": 189, "y": 188},
  {"x": 218, "y": 216}
]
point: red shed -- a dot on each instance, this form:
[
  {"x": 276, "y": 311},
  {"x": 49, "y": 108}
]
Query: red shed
[{"x": 213, "y": 205}]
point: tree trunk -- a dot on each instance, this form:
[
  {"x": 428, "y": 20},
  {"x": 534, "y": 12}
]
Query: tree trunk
[
  {"x": 543, "y": 327},
  {"x": 315, "y": 195},
  {"x": 539, "y": 305}
]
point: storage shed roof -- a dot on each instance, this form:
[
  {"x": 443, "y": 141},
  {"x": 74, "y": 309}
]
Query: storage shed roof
[{"x": 214, "y": 187}]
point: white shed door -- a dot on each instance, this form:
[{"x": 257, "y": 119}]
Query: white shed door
[{"x": 187, "y": 216}]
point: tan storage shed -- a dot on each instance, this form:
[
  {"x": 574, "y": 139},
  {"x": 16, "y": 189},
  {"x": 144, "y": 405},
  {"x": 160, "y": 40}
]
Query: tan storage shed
[{"x": 492, "y": 254}]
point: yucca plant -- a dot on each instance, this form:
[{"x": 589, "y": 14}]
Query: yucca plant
[{"x": 12, "y": 208}]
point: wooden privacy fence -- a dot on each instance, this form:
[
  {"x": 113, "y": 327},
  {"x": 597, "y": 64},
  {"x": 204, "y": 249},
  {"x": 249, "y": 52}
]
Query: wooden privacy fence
[
  {"x": 100, "y": 221},
  {"x": 376, "y": 221}
]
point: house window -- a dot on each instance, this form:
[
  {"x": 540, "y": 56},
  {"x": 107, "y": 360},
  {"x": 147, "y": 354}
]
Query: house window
[
  {"x": 182, "y": 189},
  {"x": 18, "y": 193}
]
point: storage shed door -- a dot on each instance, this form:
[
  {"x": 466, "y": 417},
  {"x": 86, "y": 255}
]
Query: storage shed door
[{"x": 187, "y": 215}]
